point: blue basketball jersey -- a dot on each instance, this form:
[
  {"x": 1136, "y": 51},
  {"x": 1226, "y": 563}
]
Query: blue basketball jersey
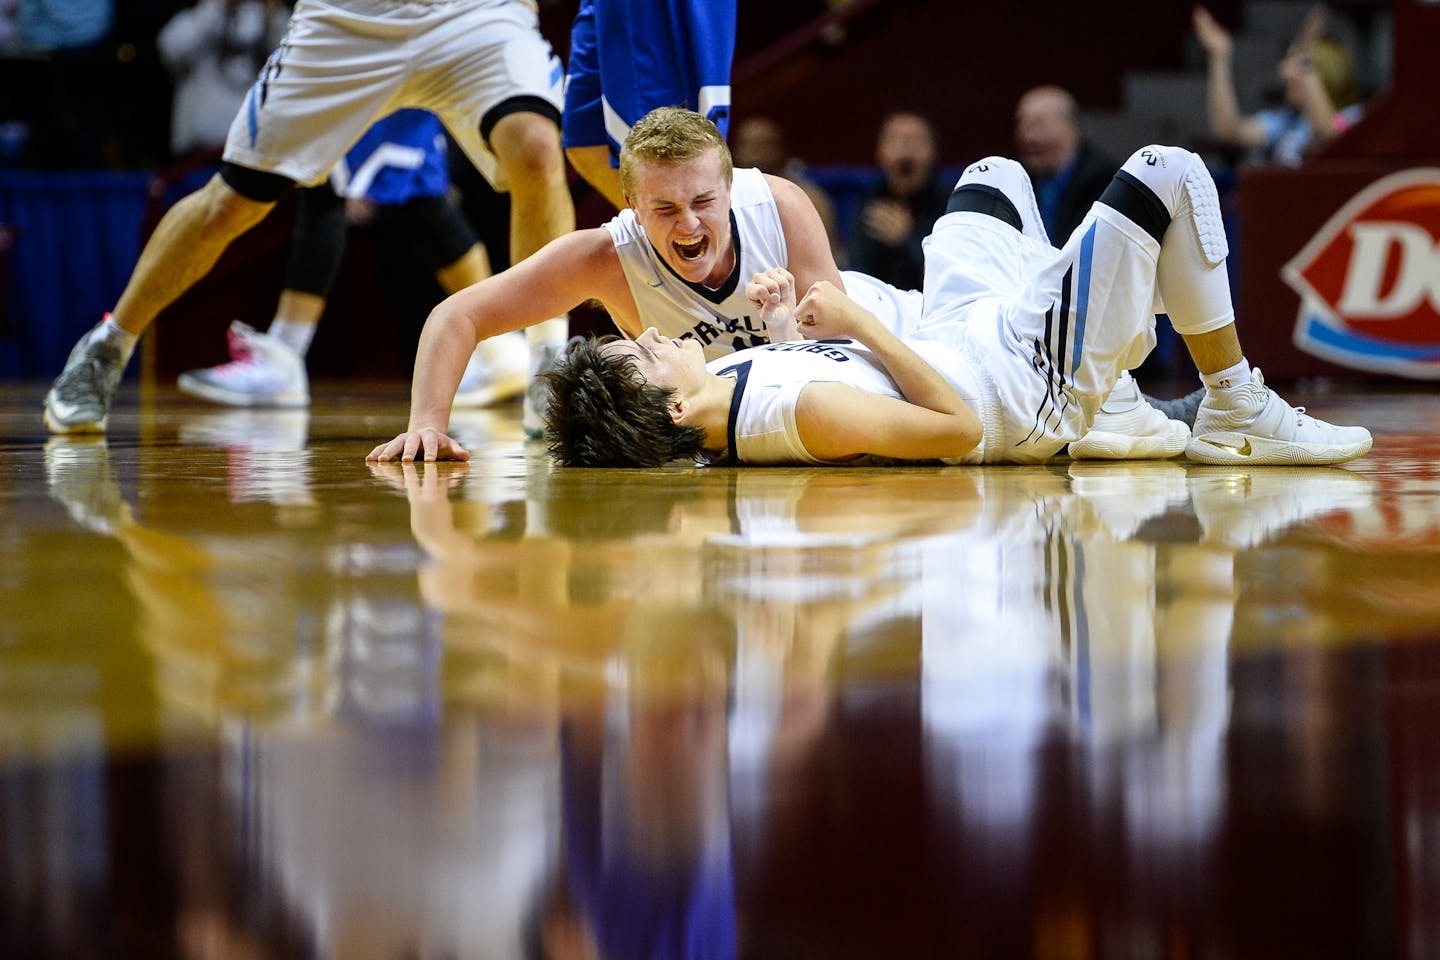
[
  {"x": 628, "y": 57},
  {"x": 401, "y": 157}
]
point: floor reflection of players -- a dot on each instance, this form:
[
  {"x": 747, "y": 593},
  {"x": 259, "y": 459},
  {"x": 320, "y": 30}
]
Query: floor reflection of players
[{"x": 648, "y": 861}]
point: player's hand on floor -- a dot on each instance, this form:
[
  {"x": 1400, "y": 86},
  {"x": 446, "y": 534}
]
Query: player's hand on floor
[{"x": 427, "y": 444}]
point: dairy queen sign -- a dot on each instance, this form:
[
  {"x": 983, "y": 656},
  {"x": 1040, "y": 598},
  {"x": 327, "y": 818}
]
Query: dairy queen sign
[{"x": 1369, "y": 280}]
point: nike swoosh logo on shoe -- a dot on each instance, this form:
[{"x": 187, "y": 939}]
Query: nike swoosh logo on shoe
[{"x": 1240, "y": 451}]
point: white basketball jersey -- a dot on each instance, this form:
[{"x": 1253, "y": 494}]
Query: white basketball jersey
[
  {"x": 769, "y": 380},
  {"x": 724, "y": 320}
]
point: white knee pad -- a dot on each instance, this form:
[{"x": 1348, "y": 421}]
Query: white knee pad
[
  {"x": 1183, "y": 184},
  {"x": 1010, "y": 178}
]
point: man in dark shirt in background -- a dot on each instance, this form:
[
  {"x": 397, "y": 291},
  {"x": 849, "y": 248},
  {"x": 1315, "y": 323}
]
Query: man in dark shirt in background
[
  {"x": 897, "y": 214},
  {"x": 1069, "y": 174}
]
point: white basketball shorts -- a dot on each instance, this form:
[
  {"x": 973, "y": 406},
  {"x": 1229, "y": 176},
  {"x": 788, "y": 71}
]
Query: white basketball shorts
[
  {"x": 1050, "y": 329},
  {"x": 346, "y": 63}
]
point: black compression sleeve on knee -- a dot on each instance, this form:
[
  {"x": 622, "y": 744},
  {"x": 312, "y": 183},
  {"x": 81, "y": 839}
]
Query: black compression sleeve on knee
[
  {"x": 432, "y": 227},
  {"x": 317, "y": 247},
  {"x": 526, "y": 103},
  {"x": 1138, "y": 203},
  {"x": 983, "y": 198},
  {"x": 257, "y": 185}
]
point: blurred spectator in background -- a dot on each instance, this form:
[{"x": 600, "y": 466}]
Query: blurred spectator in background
[
  {"x": 759, "y": 142},
  {"x": 1069, "y": 174},
  {"x": 215, "y": 50},
  {"x": 64, "y": 25},
  {"x": 898, "y": 213},
  {"x": 9, "y": 28},
  {"x": 1322, "y": 95},
  {"x": 69, "y": 119}
]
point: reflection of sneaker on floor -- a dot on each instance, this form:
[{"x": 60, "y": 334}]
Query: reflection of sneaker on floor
[
  {"x": 79, "y": 400},
  {"x": 1250, "y": 424},
  {"x": 77, "y": 470},
  {"x": 262, "y": 431},
  {"x": 1125, "y": 495},
  {"x": 262, "y": 372},
  {"x": 496, "y": 371},
  {"x": 1129, "y": 428},
  {"x": 268, "y": 459},
  {"x": 1244, "y": 508}
]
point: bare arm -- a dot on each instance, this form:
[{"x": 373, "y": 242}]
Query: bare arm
[
  {"x": 1227, "y": 123},
  {"x": 562, "y": 274},
  {"x": 807, "y": 243},
  {"x": 837, "y": 421}
]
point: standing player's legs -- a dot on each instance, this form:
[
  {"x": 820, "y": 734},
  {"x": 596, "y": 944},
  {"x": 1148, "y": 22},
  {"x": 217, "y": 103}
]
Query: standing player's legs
[
  {"x": 500, "y": 93},
  {"x": 583, "y": 125},
  {"x": 298, "y": 119},
  {"x": 541, "y": 209},
  {"x": 434, "y": 227},
  {"x": 267, "y": 369},
  {"x": 184, "y": 247}
]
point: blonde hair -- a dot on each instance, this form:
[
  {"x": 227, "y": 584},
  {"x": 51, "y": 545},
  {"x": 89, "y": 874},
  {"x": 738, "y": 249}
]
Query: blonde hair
[
  {"x": 1332, "y": 62},
  {"x": 670, "y": 135}
]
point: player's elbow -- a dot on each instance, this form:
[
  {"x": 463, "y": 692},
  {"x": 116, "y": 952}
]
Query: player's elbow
[
  {"x": 963, "y": 433},
  {"x": 962, "y": 439}
]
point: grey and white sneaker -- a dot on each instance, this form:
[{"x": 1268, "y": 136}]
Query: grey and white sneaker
[
  {"x": 263, "y": 372},
  {"x": 1251, "y": 424},
  {"x": 537, "y": 391},
  {"x": 1129, "y": 428},
  {"x": 496, "y": 372},
  {"x": 79, "y": 399}
]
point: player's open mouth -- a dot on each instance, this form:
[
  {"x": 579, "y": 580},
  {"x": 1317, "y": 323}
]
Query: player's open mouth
[{"x": 691, "y": 249}]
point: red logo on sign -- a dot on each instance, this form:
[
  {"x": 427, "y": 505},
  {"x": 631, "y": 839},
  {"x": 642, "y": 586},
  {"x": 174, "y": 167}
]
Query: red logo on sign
[{"x": 1369, "y": 281}]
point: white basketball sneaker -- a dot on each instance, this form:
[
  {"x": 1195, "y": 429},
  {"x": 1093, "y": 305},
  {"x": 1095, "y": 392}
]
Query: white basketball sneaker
[
  {"x": 1250, "y": 424},
  {"x": 262, "y": 372},
  {"x": 496, "y": 372},
  {"x": 1129, "y": 428}
]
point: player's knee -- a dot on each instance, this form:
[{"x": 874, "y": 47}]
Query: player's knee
[
  {"x": 1162, "y": 170},
  {"x": 526, "y": 139},
  {"x": 259, "y": 186},
  {"x": 227, "y": 210},
  {"x": 1158, "y": 184},
  {"x": 997, "y": 186}
]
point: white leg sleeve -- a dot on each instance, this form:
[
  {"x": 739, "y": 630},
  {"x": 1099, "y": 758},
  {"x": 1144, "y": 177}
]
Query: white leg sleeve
[
  {"x": 1191, "y": 272},
  {"x": 1004, "y": 176}
]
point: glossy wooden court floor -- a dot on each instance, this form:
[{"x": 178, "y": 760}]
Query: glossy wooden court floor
[{"x": 261, "y": 700}]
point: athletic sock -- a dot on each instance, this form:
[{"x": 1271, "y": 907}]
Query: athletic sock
[
  {"x": 1231, "y": 376},
  {"x": 118, "y": 337},
  {"x": 296, "y": 336}
]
